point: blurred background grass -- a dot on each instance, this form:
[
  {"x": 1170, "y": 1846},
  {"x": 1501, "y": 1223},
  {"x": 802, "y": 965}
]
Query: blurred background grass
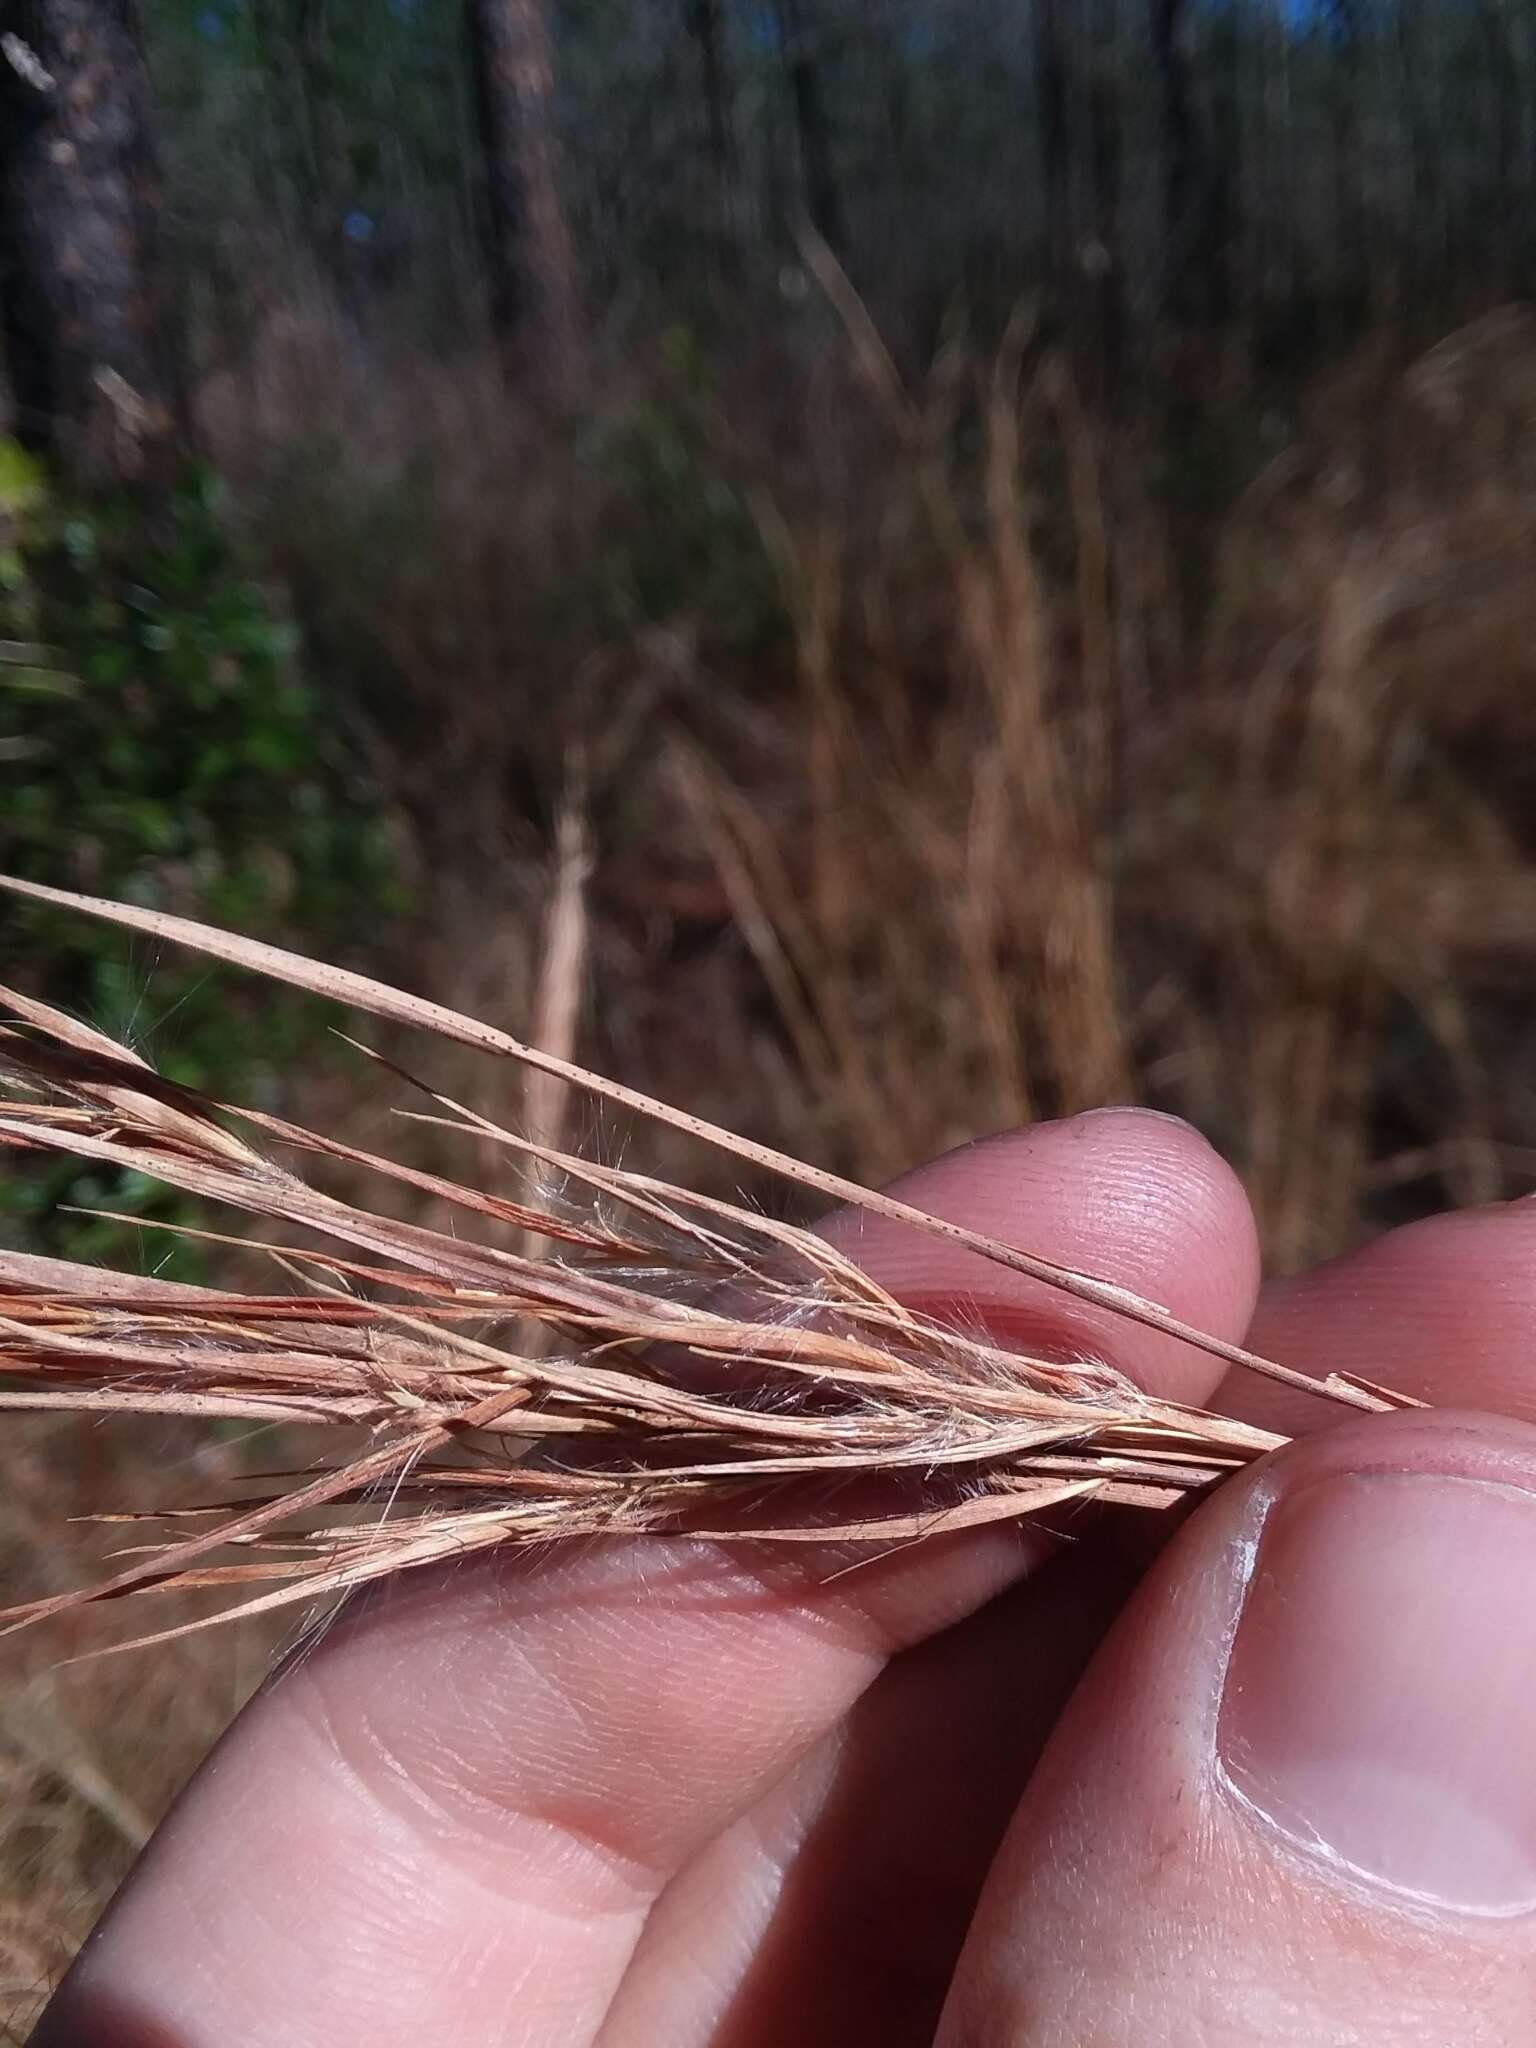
[{"x": 984, "y": 566}]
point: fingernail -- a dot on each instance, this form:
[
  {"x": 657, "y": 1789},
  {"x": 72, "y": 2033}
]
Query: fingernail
[
  {"x": 1380, "y": 1700},
  {"x": 1162, "y": 1116}
]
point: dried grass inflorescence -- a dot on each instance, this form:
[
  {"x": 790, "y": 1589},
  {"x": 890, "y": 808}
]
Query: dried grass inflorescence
[{"x": 647, "y": 1359}]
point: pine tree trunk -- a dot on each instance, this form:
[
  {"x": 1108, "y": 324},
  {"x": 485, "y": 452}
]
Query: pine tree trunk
[
  {"x": 707, "y": 30},
  {"x": 1502, "y": 206},
  {"x": 1354, "y": 259},
  {"x": 82, "y": 298},
  {"x": 1201, "y": 173},
  {"x": 1178, "y": 151},
  {"x": 823, "y": 204},
  {"x": 535, "y": 303},
  {"x": 1055, "y": 147}
]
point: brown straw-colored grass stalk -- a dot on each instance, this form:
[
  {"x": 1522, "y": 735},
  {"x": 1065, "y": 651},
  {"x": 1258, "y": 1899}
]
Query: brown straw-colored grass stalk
[{"x": 699, "y": 1367}]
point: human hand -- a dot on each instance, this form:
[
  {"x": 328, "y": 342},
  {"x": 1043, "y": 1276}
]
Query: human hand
[{"x": 651, "y": 1795}]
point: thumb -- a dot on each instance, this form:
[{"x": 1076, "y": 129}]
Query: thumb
[{"x": 1294, "y": 1800}]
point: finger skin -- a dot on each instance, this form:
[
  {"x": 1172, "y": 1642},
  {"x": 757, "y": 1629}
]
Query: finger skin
[
  {"x": 840, "y": 1902},
  {"x": 834, "y": 1912},
  {"x": 1132, "y": 1196},
  {"x": 1442, "y": 1309},
  {"x": 1142, "y": 1898},
  {"x": 450, "y": 1819}
]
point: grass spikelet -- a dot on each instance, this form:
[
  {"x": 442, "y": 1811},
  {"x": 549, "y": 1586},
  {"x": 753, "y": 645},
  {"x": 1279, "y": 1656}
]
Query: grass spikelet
[{"x": 647, "y": 1360}]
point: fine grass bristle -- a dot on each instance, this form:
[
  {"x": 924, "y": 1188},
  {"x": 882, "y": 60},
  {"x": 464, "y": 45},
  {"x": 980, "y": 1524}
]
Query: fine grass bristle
[{"x": 647, "y": 1359}]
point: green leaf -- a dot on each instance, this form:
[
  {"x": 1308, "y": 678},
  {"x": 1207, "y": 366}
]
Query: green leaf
[{"x": 23, "y": 480}]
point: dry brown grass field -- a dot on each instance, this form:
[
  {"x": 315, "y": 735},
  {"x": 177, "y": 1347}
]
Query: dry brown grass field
[{"x": 1051, "y": 780}]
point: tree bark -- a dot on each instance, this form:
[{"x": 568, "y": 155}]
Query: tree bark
[
  {"x": 1356, "y": 259},
  {"x": 83, "y": 302},
  {"x": 1199, "y": 177},
  {"x": 1176, "y": 123},
  {"x": 822, "y": 202},
  {"x": 707, "y": 31},
  {"x": 1502, "y": 209},
  {"x": 535, "y": 303},
  {"x": 1102, "y": 260},
  {"x": 1220, "y": 153},
  {"x": 1055, "y": 164}
]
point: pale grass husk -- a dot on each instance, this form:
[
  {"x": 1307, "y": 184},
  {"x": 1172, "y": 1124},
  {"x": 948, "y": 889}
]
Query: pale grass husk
[{"x": 648, "y": 1359}]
